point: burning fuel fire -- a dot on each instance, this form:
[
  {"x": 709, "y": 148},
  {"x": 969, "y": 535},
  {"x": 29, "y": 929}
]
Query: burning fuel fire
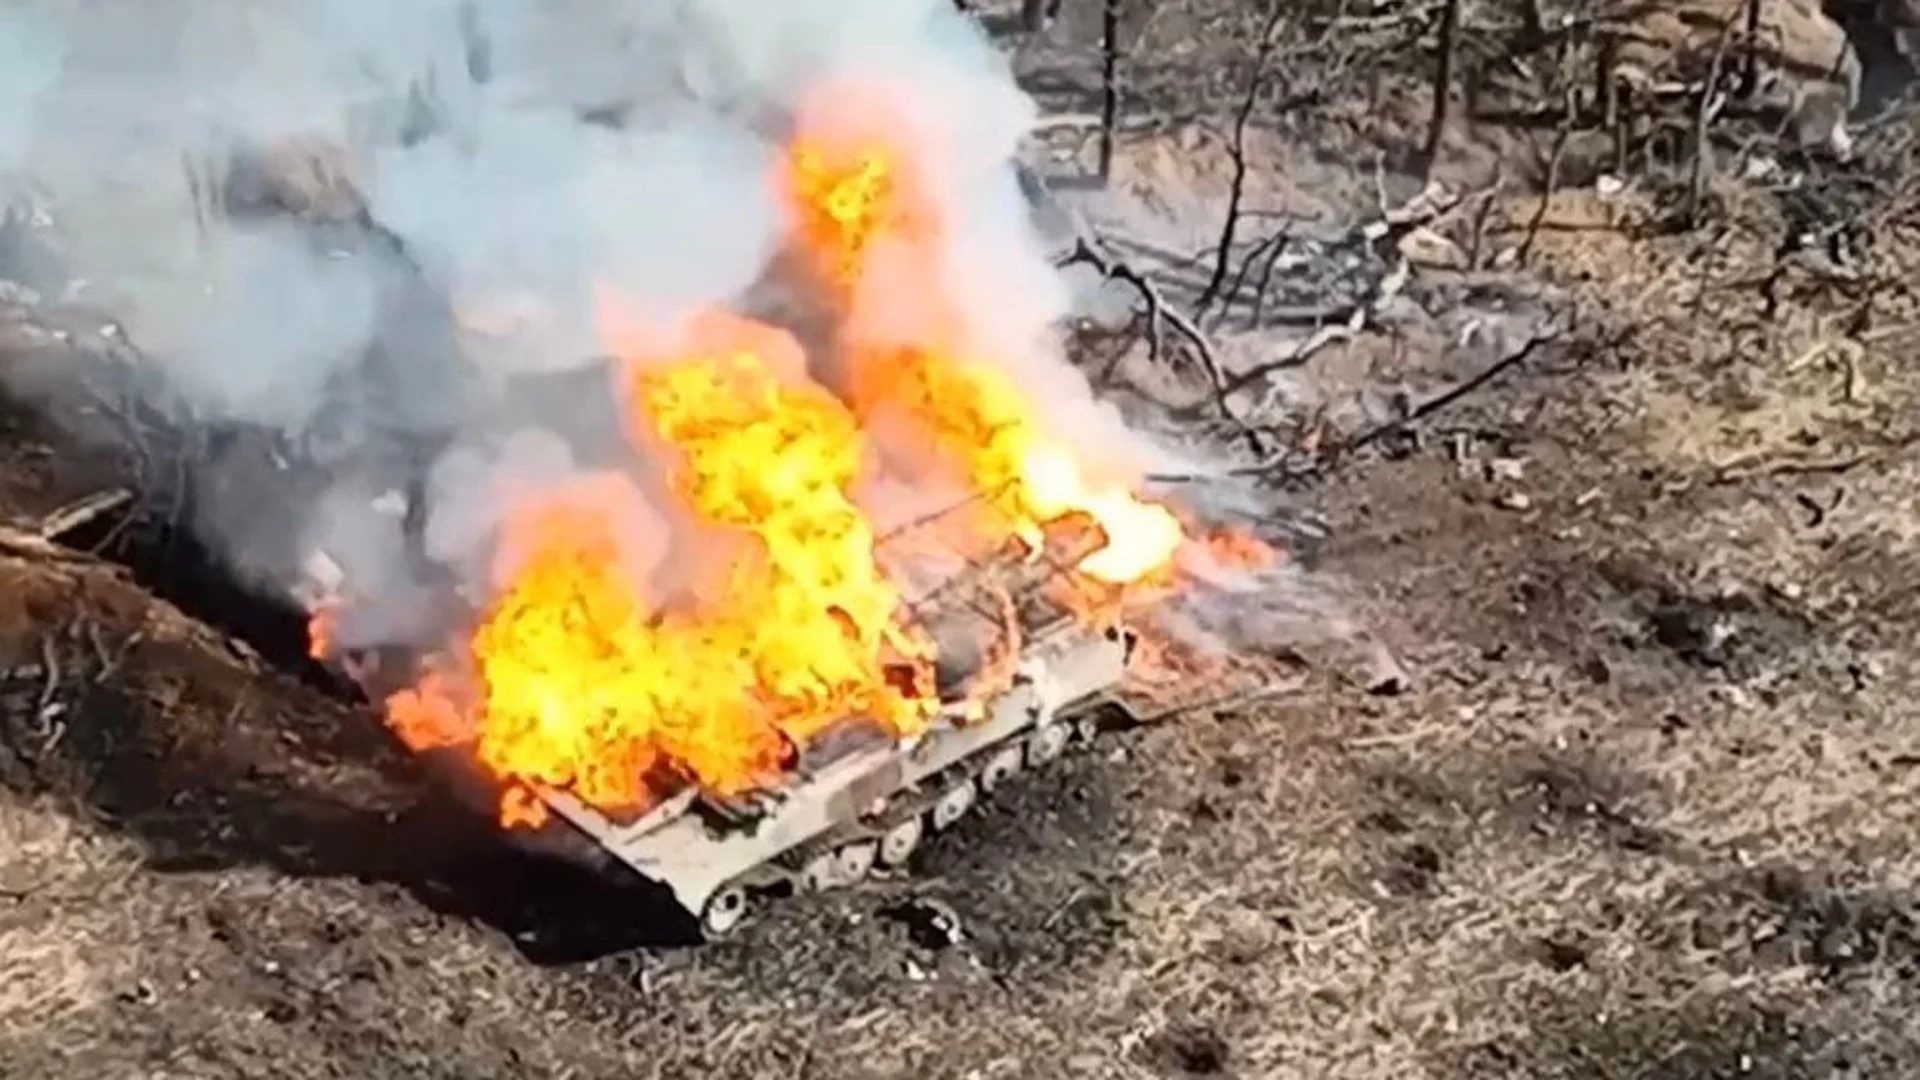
[
  {"x": 847, "y": 195},
  {"x": 577, "y": 676}
]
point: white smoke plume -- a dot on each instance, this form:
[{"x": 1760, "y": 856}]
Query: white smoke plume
[{"x": 465, "y": 173}]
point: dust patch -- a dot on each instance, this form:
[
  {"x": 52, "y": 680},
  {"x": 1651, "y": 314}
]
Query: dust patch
[
  {"x": 1846, "y": 935},
  {"x": 1574, "y": 1038},
  {"x": 51, "y": 970}
]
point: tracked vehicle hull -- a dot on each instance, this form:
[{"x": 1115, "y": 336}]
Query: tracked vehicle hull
[
  {"x": 1021, "y": 679},
  {"x": 832, "y": 823}
]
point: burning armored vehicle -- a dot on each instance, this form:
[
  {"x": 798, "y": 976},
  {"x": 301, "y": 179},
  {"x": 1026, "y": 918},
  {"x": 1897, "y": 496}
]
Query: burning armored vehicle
[
  {"x": 832, "y": 541},
  {"x": 1019, "y": 678},
  {"x": 830, "y": 689},
  {"x": 846, "y": 551}
]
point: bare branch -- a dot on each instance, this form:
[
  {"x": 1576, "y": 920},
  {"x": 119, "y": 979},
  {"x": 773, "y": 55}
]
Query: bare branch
[
  {"x": 50, "y": 662},
  {"x": 1552, "y": 179},
  {"x": 1265, "y": 288},
  {"x": 1301, "y": 352},
  {"x": 1256, "y": 80},
  {"x": 1085, "y": 254},
  {"x": 82, "y": 511},
  {"x": 18, "y": 542},
  {"x": 1441, "y": 401},
  {"x": 1482, "y": 215},
  {"x": 1704, "y": 113},
  {"x": 1271, "y": 249}
]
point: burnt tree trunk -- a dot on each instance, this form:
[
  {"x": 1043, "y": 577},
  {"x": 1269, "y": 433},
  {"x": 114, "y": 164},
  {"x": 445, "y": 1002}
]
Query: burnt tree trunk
[
  {"x": 1256, "y": 81},
  {"x": 1750, "y": 67},
  {"x": 1533, "y": 24},
  {"x": 1442, "y": 84},
  {"x": 1109, "y": 85}
]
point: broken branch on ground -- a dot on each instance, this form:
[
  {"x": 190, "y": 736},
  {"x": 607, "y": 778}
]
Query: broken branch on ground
[
  {"x": 1759, "y": 465},
  {"x": 83, "y": 511},
  {"x": 1441, "y": 401}
]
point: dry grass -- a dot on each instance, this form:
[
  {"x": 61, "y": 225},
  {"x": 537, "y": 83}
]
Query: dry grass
[
  {"x": 1649, "y": 809},
  {"x": 1514, "y": 870},
  {"x": 51, "y": 971}
]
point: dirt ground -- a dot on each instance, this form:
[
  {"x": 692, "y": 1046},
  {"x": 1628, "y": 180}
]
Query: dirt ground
[{"x": 1648, "y": 805}]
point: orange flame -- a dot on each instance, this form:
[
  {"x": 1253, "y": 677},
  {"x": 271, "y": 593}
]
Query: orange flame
[
  {"x": 587, "y": 688},
  {"x": 807, "y": 601},
  {"x": 846, "y": 195},
  {"x": 575, "y": 677},
  {"x": 320, "y": 628}
]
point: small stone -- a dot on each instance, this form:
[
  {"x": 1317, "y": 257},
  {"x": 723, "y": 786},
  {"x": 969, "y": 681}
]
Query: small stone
[
  {"x": 1386, "y": 676},
  {"x": 1835, "y": 947},
  {"x": 1423, "y": 247},
  {"x": 1505, "y": 468},
  {"x": 1513, "y": 500}
]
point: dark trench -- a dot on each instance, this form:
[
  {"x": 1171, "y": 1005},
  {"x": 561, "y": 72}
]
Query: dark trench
[{"x": 557, "y": 901}]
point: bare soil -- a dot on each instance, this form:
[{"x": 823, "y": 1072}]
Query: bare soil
[{"x": 1648, "y": 806}]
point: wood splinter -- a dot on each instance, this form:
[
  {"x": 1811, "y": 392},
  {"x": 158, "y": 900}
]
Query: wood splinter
[{"x": 77, "y": 514}]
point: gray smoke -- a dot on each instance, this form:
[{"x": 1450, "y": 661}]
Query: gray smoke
[
  {"x": 376, "y": 233},
  {"x": 362, "y": 226}
]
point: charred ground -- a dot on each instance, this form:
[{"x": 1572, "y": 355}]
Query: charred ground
[{"x": 1646, "y": 806}]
